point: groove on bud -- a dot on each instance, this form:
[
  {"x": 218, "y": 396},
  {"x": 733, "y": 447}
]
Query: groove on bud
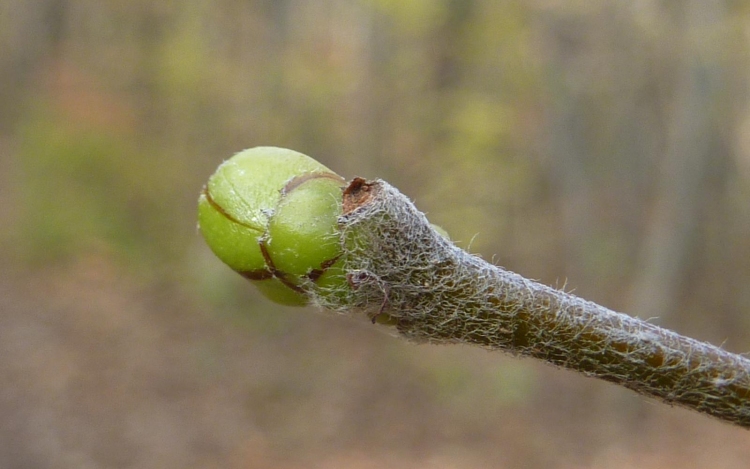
[{"x": 271, "y": 215}]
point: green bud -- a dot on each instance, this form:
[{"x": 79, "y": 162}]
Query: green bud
[
  {"x": 270, "y": 214},
  {"x": 441, "y": 231}
]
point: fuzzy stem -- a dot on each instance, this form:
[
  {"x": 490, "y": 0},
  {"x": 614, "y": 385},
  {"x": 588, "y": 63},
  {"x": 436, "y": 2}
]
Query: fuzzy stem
[{"x": 400, "y": 268}]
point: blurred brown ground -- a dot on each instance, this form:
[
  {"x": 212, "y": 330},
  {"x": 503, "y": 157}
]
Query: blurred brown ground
[{"x": 604, "y": 146}]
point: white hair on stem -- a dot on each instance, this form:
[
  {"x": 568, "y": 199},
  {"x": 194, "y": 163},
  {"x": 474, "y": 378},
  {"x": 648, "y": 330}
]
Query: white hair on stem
[{"x": 400, "y": 271}]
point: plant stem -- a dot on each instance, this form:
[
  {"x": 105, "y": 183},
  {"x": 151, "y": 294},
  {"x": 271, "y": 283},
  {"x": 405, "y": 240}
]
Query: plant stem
[{"x": 401, "y": 271}]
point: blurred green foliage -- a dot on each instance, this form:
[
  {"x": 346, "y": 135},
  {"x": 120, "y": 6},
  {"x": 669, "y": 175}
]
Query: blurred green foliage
[{"x": 77, "y": 184}]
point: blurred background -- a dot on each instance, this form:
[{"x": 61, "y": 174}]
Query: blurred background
[{"x": 603, "y": 147}]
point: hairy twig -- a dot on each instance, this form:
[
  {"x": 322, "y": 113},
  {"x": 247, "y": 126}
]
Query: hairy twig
[
  {"x": 400, "y": 271},
  {"x": 277, "y": 217}
]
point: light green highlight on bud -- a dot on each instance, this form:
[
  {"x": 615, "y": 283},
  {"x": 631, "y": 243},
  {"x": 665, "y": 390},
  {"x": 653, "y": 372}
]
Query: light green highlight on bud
[{"x": 249, "y": 184}]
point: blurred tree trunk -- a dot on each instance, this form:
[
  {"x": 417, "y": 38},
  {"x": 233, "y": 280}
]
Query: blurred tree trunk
[
  {"x": 666, "y": 249},
  {"x": 572, "y": 184},
  {"x": 35, "y": 29},
  {"x": 566, "y": 43}
]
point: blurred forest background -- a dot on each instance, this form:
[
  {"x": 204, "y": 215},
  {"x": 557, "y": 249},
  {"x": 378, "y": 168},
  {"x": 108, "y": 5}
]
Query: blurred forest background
[{"x": 603, "y": 146}]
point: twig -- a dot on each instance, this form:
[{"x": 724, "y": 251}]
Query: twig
[{"x": 397, "y": 265}]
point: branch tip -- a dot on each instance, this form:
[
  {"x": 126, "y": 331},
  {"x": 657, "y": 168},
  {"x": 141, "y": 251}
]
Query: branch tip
[{"x": 358, "y": 193}]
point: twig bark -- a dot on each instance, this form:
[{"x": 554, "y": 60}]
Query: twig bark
[{"x": 400, "y": 271}]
